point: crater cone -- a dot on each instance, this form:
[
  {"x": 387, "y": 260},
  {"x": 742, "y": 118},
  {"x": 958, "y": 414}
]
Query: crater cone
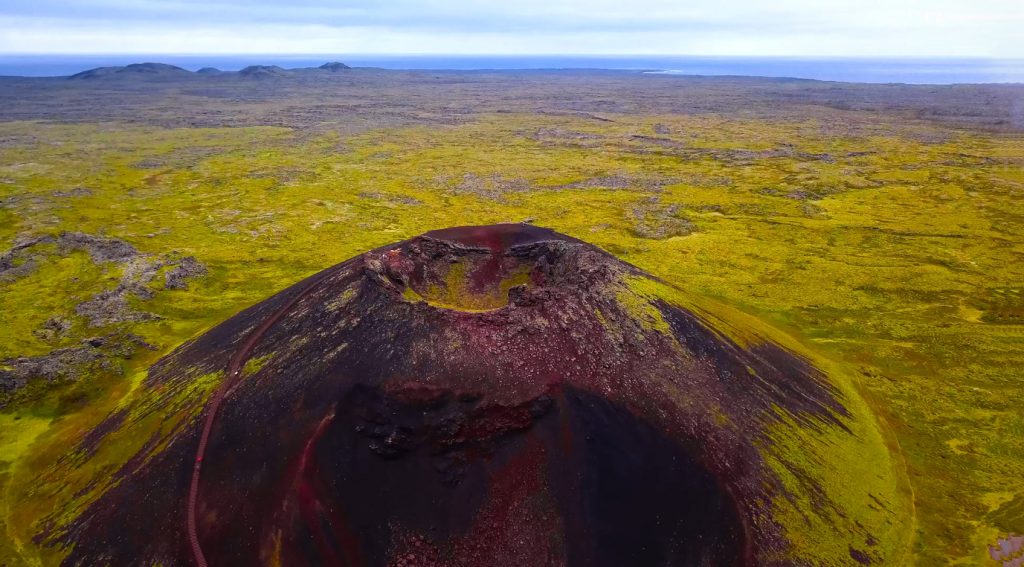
[{"x": 491, "y": 396}]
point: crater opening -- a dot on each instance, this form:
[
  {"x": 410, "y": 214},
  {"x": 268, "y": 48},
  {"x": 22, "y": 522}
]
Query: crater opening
[
  {"x": 474, "y": 268},
  {"x": 468, "y": 280}
]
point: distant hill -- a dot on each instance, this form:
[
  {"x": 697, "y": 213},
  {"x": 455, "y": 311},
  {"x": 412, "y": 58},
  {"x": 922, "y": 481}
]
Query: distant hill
[
  {"x": 154, "y": 69},
  {"x": 262, "y": 71},
  {"x": 165, "y": 70},
  {"x": 334, "y": 66}
]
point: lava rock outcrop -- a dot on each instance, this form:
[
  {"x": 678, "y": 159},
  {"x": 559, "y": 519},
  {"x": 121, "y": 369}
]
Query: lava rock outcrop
[{"x": 482, "y": 396}]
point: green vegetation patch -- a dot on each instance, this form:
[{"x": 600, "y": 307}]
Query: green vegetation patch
[{"x": 890, "y": 249}]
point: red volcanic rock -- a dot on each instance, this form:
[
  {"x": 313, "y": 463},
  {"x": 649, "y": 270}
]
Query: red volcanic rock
[{"x": 477, "y": 396}]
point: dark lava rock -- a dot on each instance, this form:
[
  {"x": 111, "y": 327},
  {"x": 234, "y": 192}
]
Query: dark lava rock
[
  {"x": 53, "y": 328},
  {"x": 110, "y": 307},
  {"x": 187, "y": 268},
  {"x": 74, "y": 192},
  {"x": 483, "y": 396},
  {"x": 334, "y": 66},
  {"x": 18, "y": 260},
  {"x": 100, "y": 249},
  {"x": 96, "y": 354},
  {"x": 21, "y": 258},
  {"x": 113, "y": 306}
]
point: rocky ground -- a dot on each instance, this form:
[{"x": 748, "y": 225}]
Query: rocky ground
[
  {"x": 879, "y": 225},
  {"x": 107, "y": 310}
]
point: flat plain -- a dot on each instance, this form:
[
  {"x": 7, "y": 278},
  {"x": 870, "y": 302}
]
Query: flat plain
[{"x": 881, "y": 226}]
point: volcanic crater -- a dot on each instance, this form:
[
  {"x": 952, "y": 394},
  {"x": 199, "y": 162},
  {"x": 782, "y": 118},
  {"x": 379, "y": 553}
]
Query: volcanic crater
[{"x": 475, "y": 396}]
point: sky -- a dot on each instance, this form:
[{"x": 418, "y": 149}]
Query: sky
[{"x": 853, "y": 28}]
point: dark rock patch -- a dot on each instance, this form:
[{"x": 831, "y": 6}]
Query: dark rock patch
[
  {"x": 657, "y": 141},
  {"x": 99, "y": 248},
  {"x": 657, "y": 221},
  {"x": 564, "y": 137},
  {"x": 490, "y": 186},
  {"x": 187, "y": 268},
  {"x": 72, "y": 193},
  {"x": 140, "y": 269},
  {"x": 94, "y": 355},
  {"x": 859, "y": 556},
  {"x": 54, "y": 328},
  {"x": 112, "y": 306},
  {"x": 18, "y": 261},
  {"x": 390, "y": 198},
  {"x": 149, "y": 163},
  {"x": 630, "y": 182}
]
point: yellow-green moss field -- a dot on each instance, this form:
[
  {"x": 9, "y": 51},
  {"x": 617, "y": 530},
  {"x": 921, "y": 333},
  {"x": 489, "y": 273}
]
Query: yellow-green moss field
[{"x": 893, "y": 251}]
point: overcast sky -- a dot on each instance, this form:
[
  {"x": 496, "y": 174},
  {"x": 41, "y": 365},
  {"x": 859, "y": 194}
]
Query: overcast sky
[{"x": 987, "y": 28}]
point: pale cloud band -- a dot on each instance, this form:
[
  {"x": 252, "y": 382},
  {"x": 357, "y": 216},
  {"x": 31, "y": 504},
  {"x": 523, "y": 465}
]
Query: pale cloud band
[{"x": 986, "y": 28}]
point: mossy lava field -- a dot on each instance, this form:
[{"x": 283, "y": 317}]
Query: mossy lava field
[{"x": 366, "y": 317}]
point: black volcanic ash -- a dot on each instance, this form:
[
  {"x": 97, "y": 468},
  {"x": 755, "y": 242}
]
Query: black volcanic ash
[{"x": 477, "y": 396}]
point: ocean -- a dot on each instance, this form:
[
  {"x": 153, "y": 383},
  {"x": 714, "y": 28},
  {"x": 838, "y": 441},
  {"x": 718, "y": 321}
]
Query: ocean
[{"x": 860, "y": 70}]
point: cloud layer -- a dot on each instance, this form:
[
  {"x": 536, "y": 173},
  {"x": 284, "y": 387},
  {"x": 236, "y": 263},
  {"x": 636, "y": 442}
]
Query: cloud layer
[{"x": 989, "y": 28}]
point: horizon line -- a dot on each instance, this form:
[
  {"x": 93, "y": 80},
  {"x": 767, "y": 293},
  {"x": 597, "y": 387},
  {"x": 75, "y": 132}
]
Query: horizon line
[{"x": 507, "y": 55}]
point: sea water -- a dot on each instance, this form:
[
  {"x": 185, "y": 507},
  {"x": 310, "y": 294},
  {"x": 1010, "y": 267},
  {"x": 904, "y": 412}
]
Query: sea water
[{"x": 862, "y": 70}]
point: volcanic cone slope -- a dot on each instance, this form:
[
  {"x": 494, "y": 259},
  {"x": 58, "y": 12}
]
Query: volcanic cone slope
[{"x": 500, "y": 395}]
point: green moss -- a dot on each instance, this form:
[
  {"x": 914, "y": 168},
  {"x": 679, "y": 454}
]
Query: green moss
[
  {"x": 52, "y": 484},
  {"x": 895, "y": 260},
  {"x": 254, "y": 364},
  {"x": 636, "y": 298},
  {"x": 53, "y": 288},
  {"x": 842, "y": 489},
  {"x": 456, "y": 290}
]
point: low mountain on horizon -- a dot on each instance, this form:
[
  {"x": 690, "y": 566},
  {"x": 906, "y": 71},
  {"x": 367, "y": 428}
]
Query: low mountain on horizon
[
  {"x": 167, "y": 70},
  {"x": 334, "y": 66},
  {"x": 262, "y": 71},
  {"x": 153, "y": 69}
]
